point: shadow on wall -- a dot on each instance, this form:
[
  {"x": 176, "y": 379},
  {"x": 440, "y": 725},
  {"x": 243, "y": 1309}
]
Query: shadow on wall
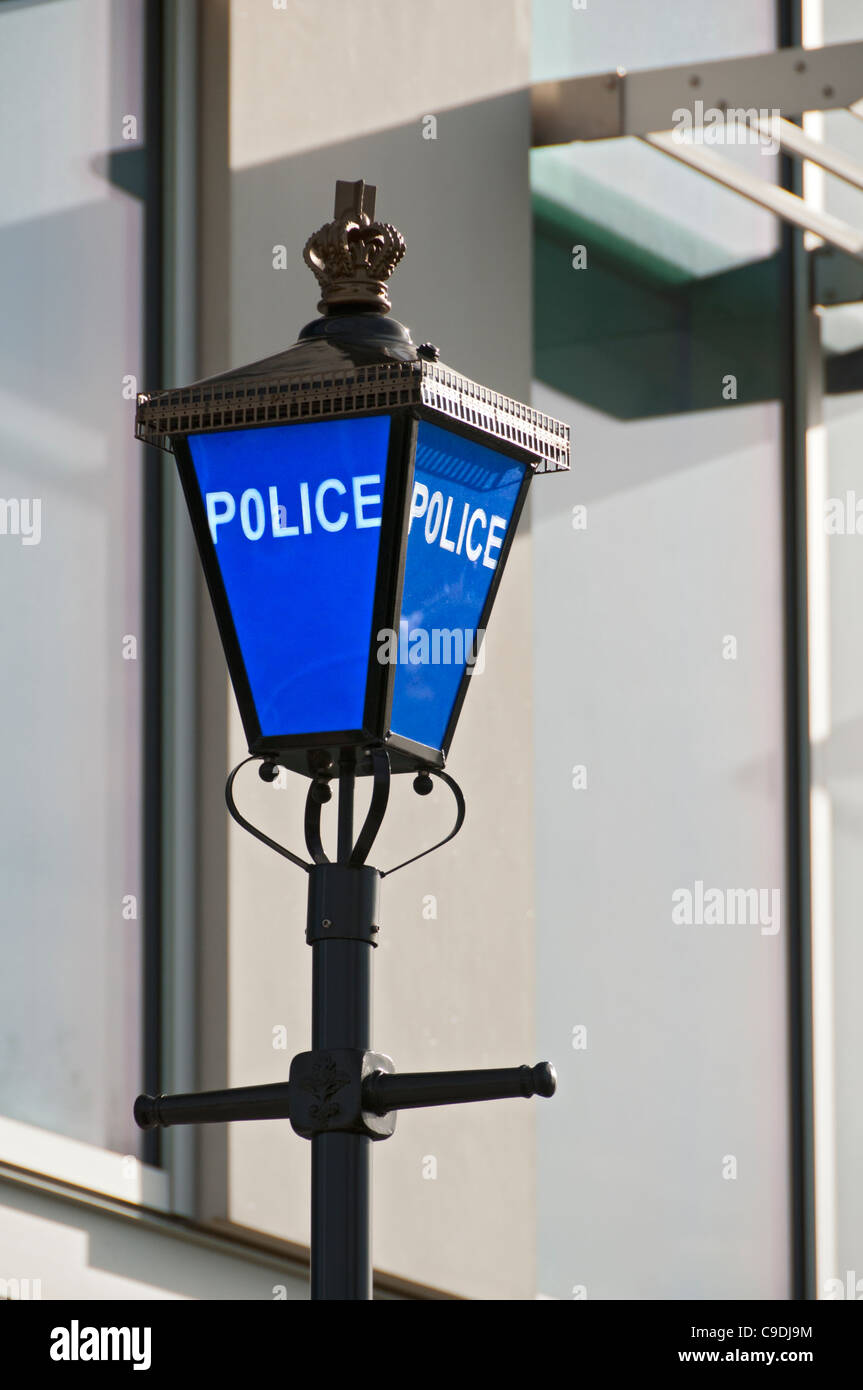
[
  {"x": 464, "y": 259},
  {"x": 636, "y": 339}
]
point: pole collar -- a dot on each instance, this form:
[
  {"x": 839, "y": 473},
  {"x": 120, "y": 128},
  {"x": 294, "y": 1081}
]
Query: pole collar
[{"x": 344, "y": 902}]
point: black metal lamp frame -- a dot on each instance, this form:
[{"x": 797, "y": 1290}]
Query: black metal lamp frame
[
  {"x": 297, "y": 751},
  {"x": 351, "y": 362},
  {"x": 341, "y": 1095}
]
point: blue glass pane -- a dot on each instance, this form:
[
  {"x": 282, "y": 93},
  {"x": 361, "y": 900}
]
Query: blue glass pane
[
  {"x": 462, "y": 504},
  {"x": 295, "y": 513}
]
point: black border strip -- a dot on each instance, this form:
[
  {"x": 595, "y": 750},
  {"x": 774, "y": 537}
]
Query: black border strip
[
  {"x": 391, "y": 561},
  {"x": 795, "y": 309}
]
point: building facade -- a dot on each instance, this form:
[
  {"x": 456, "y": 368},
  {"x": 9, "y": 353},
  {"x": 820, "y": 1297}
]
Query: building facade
[{"x": 665, "y": 671}]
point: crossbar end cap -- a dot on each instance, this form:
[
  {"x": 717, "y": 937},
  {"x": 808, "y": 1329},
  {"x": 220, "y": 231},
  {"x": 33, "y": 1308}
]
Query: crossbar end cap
[{"x": 544, "y": 1079}]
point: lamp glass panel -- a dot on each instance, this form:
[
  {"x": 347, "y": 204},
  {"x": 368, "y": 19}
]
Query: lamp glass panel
[
  {"x": 464, "y": 495},
  {"x": 294, "y": 514}
]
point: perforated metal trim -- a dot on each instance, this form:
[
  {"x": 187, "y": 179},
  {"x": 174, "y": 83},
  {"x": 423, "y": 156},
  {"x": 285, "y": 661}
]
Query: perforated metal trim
[
  {"x": 241, "y": 402},
  {"x": 501, "y": 416}
]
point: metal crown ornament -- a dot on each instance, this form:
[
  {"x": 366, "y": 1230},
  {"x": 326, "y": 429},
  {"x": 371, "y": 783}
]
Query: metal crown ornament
[{"x": 353, "y": 256}]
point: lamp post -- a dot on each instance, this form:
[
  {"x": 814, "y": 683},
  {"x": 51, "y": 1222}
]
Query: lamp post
[{"x": 354, "y": 502}]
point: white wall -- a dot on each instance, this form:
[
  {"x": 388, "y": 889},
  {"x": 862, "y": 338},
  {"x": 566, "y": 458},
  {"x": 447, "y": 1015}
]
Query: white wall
[
  {"x": 75, "y": 1250},
  {"x": 685, "y": 1062}
]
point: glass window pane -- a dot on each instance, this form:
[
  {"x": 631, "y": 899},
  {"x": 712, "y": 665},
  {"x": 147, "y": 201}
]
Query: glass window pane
[{"x": 71, "y": 250}]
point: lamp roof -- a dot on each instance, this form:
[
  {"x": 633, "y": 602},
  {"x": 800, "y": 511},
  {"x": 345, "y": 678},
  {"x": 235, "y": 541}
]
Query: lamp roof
[{"x": 351, "y": 360}]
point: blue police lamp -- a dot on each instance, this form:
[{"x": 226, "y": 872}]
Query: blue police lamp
[{"x": 354, "y": 502}]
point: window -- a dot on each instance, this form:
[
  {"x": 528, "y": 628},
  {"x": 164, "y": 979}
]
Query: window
[{"x": 72, "y": 349}]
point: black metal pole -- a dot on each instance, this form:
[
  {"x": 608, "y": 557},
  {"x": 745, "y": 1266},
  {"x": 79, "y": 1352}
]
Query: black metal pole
[
  {"x": 342, "y": 908},
  {"x": 268, "y": 1102},
  {"x": 383, "y": 1093},
  {"x": 341, "y": 1095}
]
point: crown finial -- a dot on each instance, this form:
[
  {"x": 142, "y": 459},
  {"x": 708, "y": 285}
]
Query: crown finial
[{"x": 353, "y": 256}]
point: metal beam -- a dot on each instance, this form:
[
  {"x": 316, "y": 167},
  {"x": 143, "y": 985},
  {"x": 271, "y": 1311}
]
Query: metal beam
[
  {"x": 607, "y": 105},
  {"x": 794, "y": 141},
  {"x": 767, "y": 195}
]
